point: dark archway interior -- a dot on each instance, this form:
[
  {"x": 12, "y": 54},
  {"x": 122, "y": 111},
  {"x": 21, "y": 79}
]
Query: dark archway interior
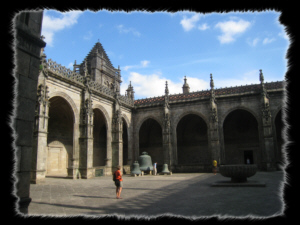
[
  {"x": 125, "y": 143},
  {"x": 279, "y": 138},
  {"x": 241, "y": 138},
  {"x": 192, "y": 141},
  {"x": 60, "y": 130},
  {"x": 100, "y": 139},
  {"x": 150, "y": 140}
]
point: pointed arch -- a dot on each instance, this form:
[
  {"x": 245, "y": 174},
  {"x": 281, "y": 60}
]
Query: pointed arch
[
  {"x": 105, "y": 113},
  {"x": 69, "y": 100},
  {"x": 140, "y": 123}
]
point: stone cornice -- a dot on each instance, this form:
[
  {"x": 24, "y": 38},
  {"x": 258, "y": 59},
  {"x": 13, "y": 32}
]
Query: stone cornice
[
  {"x": 28, "y": 42},
  {"x": 253, "y": 89}
]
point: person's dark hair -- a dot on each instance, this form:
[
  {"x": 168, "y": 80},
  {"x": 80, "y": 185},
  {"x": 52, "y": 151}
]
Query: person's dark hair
[{"x": 118, "y": 167}]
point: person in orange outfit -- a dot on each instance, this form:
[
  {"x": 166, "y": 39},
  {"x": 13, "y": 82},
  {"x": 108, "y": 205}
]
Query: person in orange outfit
[{"x": 118, "y": 182}]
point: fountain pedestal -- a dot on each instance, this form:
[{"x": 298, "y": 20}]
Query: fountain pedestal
[{"x": 238, "y": 174}]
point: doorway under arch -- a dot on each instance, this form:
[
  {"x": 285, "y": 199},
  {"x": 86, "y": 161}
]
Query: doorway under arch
[
  {"x": 279, "y": 138},
  {"x": 125, "y": 142},
  {"x": 192, "y": 142},
  {"x": 100, "y": 139},
  {"x": 241, "y": 138},
  {"x": 60, "y": 137},
  {"x": 150, "y": 140}
]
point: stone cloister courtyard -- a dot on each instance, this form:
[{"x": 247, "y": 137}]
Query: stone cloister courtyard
[{"x": 184, "y": 195}]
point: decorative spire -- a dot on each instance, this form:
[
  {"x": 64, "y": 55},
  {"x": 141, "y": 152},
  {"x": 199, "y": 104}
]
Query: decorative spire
[
  {"x": 261, "y": 76},
  {"x": 212, "y": 85},
  {"x": 85, "y": 68},
  {"x": 166, "y": 89},
  {"x": 185, "y": 87},
  {"x": 130, "y": 92}
]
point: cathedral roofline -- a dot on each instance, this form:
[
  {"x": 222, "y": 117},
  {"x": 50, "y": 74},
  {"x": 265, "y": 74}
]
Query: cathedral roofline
[
  {"x": 253, "y": 88},
  {"x": 98, "y": 48}
]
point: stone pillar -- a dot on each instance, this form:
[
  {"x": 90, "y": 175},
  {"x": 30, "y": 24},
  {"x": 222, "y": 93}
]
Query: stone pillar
[
  {"x": 117, "y": 132},
  {"x": 73, "y": 170},
  {"x": 39, "y": 153},
  {"x": 27, "y": 27},
  {"x": 86, "y": 131},
  {"x": 268, "y": 153},
  {"x": 213, "y": 126},
  {"x": 166, "y": 132},
  {"x": 130, "y": 145}
]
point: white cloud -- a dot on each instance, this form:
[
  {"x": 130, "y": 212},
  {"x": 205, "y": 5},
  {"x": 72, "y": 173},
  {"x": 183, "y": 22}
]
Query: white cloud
[
  {"x": 145, "y": 63},
  {"x": 142, "y": 64},
  {"x": 283, "y": 35},
  {"x": 231, "y": 29},
  {"x": 123, "y": 29},
  {"x": 153, "y": 85},
  {"x": 51, "y": 24},
  {"x": 268, "y": 40},
  {"x": 189, "y": 23},
  {"x": 70, "y": 65},
  {"x": 253, "y": 42},
  {"x": 203, "y": 27}
]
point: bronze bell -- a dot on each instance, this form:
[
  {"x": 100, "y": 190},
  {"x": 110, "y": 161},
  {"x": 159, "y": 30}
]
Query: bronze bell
[
  {"x": 136, "y": 169},
  {"x": 145, "y": 162},
  {"x": 165, "y": 169}
]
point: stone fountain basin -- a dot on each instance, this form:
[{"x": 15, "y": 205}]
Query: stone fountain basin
[{"x": 239, "y": 172}]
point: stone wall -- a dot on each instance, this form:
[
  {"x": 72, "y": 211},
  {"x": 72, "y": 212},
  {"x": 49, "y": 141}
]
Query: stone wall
[{"x": 27, "y": 32}]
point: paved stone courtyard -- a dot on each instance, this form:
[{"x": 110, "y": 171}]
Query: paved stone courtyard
[{"x": 182, "y": 195}]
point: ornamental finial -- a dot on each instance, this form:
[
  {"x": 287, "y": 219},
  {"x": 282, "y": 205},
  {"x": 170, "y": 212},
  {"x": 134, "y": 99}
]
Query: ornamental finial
[
  {"x": 261, "y": 76},
  {"x": 212, "y": 85},
  {"x": 166, "y": 89}
]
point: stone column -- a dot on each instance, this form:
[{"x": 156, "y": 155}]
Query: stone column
[
  {"x": 166, "y": 132},
  {"x": 39, "y": 153},
  {"x": 73, "y": 171},
  {"x": 213, "y": 126},
  {"x": 28, "y": 44},
  {"x": 268, "y": 153},
  {"x": 117, "y": 132},
  {"x": 86, "y": 131}
]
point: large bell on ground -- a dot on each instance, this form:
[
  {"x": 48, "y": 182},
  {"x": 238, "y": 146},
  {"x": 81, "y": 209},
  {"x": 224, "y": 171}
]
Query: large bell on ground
[
  {"x": 165, "y": 169},
  {"x": 145, "y": 162},
  {"x": 136, "y": 169}
]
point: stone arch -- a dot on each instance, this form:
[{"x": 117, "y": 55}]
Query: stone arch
[
  {"x": 140, "y": 123},
  {"x": 105, "y": 113},
  {"x": 125, "y": 138},
  {"x": 192, "y": 143},
  {"x": 69, "y": 100},
  {"x": 178, "y": 118},
  {"x": 150, "y": 139},
  {"x": 103, "y": 155},
  {"x": 126, "y": 119},
  {"x": 60, "y": 136},
  {"x": 222, "y": 119},
  {"x": 240, "y": 134}
]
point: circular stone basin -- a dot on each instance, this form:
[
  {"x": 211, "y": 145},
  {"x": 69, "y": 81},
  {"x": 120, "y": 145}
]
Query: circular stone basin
[{"x": 238, "y": 173}]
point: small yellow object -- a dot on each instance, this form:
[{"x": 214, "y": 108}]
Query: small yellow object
[{"x": 215, "y": 162}]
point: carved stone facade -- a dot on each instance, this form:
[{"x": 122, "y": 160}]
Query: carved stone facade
[
  {"x": 186, "y": 131},
  {"x": 75, "y": 123}
]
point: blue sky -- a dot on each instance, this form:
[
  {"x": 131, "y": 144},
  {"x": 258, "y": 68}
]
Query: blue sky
[{"x": 152, "y": 48}]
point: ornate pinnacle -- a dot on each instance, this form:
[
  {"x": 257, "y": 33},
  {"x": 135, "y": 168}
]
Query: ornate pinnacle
[
  {"x": 211, "y": 82},
  {"x": 85, "y": 67},
  {"x": 166, "y": 89},
  {"x": 261, "y": 76}
]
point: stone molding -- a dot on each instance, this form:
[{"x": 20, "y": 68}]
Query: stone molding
[{"x": 69, "y": 100}]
